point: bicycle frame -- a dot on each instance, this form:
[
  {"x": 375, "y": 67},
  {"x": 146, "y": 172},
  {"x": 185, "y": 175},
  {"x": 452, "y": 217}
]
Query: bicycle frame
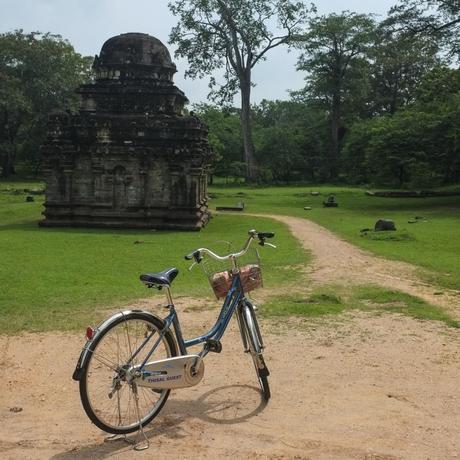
[{"x": 234, "y": 297}]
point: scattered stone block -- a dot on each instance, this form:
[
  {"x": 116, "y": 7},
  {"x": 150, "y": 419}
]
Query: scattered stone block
[
  {"x": 384, "y": 225},
  {"x": 331, "y": 202},
  {"x": 34, "y": 191},
  {"x": 237, "y": 207}
]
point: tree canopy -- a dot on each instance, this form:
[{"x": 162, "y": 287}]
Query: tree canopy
[
  {"x": 38, "y": 73},
  {"x": 380, "y": 103},
  {"x": 438, "y": 19},
  {"x": 233, "y": 35},
  {"x": 380, "y": 106},
  {"x": 334, "y": 59}
]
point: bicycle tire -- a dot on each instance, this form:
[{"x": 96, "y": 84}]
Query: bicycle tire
[
  {"x": 254, "y": 340},
  {"x": 122, "y": 332}
]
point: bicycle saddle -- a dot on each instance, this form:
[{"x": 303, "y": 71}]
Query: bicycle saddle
[{"x": 166, "y": 277}]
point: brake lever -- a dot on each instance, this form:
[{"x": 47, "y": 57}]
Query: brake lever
[
  {"x": 271, "y": 245},
  {"x": 191, "y": 266}
]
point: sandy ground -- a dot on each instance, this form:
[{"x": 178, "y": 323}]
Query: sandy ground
[{"x": 358, "y": 386}]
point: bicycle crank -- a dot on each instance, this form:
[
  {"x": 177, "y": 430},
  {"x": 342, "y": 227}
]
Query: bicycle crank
[{"x": 177, "y": 372}]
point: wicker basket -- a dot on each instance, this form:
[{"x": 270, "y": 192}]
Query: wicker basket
[{"x": 220, "y": 275}]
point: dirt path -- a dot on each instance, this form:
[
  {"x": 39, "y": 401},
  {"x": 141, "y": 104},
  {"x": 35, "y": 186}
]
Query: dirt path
[
  {"x": 339, "y": 262},
  {"x": 356, "y": 387}
]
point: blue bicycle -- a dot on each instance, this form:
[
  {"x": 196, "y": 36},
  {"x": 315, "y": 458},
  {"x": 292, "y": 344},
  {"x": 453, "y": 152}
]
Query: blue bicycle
[{"x": 132, "y": 361}]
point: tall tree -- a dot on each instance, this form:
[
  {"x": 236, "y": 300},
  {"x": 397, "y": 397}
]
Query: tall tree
[
  {"x": 334, "y": 57},
  {"x": 38, "y": 73},
  {"x": 400, "y": 61},
  {"x": 234, "y": 35},
  {"x": 438, "y": 19}
]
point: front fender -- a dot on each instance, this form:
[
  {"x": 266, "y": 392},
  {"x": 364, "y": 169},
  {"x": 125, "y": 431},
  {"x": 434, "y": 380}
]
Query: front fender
[{"x": 86, "y": 353}]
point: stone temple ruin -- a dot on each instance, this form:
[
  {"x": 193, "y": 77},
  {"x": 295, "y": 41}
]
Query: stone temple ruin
[{"x": 129, "y": 158}]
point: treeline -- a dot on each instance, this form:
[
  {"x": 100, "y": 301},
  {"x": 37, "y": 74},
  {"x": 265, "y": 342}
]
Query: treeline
[
  {"x": 38, "y": 74},
  {"x": 381, "y": 105},
  {"x": 415, "y": 145}
]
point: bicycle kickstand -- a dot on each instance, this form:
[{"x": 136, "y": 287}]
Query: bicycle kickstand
[
  {"x": 145, "y": 444},
  {"x": 119, "y": 437}
]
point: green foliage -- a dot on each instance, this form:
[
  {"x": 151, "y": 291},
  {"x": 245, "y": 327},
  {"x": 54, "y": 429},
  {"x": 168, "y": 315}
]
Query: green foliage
[
  {"x": 334, "y": 58},
  {"x": 334, "y": 55},
  {"x": 437, "y": 19},
  {"x": 438, "y": 86},
  {"x": 38, "y": 73},
  {"x": 225, "y": 137},
  {"x": 400, "y": 61},
  {"x": 288, "y": 137},
  {"x": 233, "y": 35},
  {"x": 416, "y": 147},
  {"x": 333, "y": 300}
]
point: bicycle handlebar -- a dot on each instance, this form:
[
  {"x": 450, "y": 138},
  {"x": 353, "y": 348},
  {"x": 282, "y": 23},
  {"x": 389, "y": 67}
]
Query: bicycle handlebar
[{"x": 198, "y": 253}]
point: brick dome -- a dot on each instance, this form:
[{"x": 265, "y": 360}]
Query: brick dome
[{"x": 134, "y": 49}]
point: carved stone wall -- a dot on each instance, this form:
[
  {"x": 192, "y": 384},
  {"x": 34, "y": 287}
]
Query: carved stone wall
[{"x": 128, "y": 158}]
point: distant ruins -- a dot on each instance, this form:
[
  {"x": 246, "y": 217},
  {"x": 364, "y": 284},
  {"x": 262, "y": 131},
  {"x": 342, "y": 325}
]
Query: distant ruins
[{"x": 129, "y": 158}]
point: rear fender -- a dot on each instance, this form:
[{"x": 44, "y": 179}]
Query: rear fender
[{"x": 86, "y": 353}]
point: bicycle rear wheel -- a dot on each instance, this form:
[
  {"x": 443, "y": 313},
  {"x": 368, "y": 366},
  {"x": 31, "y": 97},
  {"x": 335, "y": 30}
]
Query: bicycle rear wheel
[
  {"x": 107, "y": 393},
  {"x": 252, "y": 340}
]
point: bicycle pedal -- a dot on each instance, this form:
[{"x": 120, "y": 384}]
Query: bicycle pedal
[{"x": 214, "y": 345}]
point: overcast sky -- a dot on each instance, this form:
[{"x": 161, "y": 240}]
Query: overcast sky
[{"x": 88, "y": 23}]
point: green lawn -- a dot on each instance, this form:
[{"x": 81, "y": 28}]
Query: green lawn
[
  {"x": 64, "y": 278},
  {"x": 434, "y": 244},
  {"x": 61, "y": 278}
]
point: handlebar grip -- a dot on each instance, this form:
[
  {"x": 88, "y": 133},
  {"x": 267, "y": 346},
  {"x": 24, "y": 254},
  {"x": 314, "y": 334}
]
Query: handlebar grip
[
  {"x": 263, "y": 235},
  {"x": 190, "y": 256},
  {"x": 194, "y": 255}
]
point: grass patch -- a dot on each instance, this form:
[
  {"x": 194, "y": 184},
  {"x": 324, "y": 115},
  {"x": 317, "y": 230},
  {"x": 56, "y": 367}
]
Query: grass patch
[
  {"x": 336, "y": 300},
  {"x": 63, "y": 278},
  {"x": 318, "y": 304},
  {"x": 370, "y": 297},
  {"x": 432, "y": 242},
  {"x": 388, "y": 236}
]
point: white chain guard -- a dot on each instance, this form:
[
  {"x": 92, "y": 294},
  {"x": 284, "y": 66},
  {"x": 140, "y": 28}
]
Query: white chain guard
[{"x": 177, "y": 372}]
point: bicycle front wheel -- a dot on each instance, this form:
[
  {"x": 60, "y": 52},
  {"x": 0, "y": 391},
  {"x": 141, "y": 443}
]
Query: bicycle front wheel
[
  {"x": 107, "y": 393},
  {"x": 253, "y": 338}
]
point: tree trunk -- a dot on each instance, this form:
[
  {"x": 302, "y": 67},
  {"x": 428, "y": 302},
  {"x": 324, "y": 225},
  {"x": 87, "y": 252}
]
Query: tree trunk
[
  {"x": 335, "y": 147},
  {"x": 7, "y": 165},
  {"x": 7, "y": 136},
  {"x": 251, "y": 167}
]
